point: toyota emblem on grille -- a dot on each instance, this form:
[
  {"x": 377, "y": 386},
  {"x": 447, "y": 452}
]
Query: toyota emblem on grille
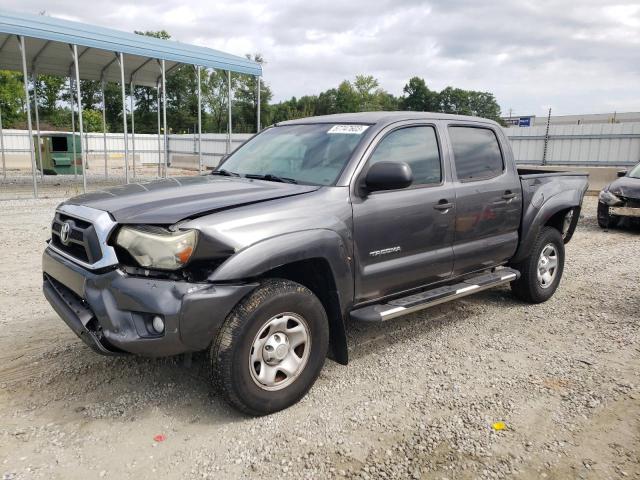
[{"x": 65, "y": 230}]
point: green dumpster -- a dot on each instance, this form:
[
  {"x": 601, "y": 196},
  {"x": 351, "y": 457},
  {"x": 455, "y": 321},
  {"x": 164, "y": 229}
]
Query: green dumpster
[{"x": 55, "y": 155}]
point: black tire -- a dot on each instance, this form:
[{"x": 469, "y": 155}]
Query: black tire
[
  {"x": 230, "y": 352},
  {"x": 605, "y": 220},
  {"x": 528, "y": 288}
]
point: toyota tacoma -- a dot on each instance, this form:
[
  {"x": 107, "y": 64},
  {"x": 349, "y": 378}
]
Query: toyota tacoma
[{"x": 308, "y": 225}]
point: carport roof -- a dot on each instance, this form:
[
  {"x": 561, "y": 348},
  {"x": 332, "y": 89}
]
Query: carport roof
[{"x": 47, "y": 42}]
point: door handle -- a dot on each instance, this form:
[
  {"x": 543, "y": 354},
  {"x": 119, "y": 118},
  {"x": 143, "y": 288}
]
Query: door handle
[
  {"x": 509, "y": 195},
  {"x": 443, "y": 205}
]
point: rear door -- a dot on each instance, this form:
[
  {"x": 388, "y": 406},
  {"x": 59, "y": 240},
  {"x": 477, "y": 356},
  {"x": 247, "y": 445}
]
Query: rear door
[
  {"x": 403, "y": 238},
  {"x": 488, "y": 198}
]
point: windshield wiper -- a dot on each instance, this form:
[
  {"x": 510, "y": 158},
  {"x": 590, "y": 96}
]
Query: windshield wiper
[
  {"x": 224, "y": 173},
  {"x": 271, "y": 178}
]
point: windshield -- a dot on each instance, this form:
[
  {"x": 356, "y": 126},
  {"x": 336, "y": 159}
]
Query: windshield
[
  {"x": 635, "y": 172},
  {"x": 312, "y": 154}
]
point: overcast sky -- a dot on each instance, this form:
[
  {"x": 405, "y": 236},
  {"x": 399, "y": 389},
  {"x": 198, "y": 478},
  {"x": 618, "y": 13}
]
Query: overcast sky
[{"x": 573, "y": 56}]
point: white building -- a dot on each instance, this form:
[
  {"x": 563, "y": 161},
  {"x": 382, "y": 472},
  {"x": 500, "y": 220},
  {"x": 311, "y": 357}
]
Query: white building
[{"x": 586, "y": 119}]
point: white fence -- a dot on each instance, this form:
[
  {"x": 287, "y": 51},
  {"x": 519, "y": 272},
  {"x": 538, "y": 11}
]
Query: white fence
[
  {"x": 149, "y": 149},
  {"x": 580, "y": 145},
  {"x": 604, "y": 144}
]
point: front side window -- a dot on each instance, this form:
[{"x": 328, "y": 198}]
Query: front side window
[
  {"x": 635, "y": 172},
  {"x": 476, "y": 153},
  {"x": 417, "y": 146},
  {"x": 312, "y": 154}
]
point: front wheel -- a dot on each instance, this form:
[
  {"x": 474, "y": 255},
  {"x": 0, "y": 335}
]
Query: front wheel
[
  {"x": 541, "y": 271},
  {"x": 271, "y": 348}
]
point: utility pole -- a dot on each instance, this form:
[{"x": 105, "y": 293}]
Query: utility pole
[{"x": 546, "y": 139}]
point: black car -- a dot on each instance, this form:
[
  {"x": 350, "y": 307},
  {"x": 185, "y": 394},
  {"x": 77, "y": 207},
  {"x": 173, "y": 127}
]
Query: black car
[{"x": 620, "y": 199}]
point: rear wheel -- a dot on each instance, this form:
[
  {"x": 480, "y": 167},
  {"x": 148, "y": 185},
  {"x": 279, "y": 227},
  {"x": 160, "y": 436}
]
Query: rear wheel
[
  {"x": 605, "y": 219},
  {"x": 540, "y": 272},
  {"x": 271, "y": 348}
]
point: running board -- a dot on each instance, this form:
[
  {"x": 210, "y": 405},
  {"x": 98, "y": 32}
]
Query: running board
[{"x": 403, "y": 306}]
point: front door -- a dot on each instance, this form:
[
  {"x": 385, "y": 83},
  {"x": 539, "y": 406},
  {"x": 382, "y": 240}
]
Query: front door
[{"x": 403, "y": 238}]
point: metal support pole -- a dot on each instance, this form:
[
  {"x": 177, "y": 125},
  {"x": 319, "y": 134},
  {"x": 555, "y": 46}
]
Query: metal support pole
[
  {"x": 81, "y": 126},
  {"x": 159, "y": 131},
  {"x": 229, "y": 112},
  {"x": 124, "y": 118},
  {"x": 133, "y": 129},
  {"x": 546, "y": 139},
  {"x": 34, "y": 79},
  {"x": 73, "y": 128},
  {"x": 258, "y": 113},
  {"x": 164, "y": 119},
  {"x": 104, "y": 130},
  {"x": 199, "y": 121},
  {"x": 4, "y": 162},
  {"x": 25, "y": 79}
]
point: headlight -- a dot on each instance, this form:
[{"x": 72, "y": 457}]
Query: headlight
[
  {"x": 609, "y": 198},
  {"x": 158, "y": 248}
]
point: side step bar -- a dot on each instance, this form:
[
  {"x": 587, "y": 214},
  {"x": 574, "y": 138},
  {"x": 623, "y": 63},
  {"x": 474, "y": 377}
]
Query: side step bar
[{"x": 382, "y": 312}]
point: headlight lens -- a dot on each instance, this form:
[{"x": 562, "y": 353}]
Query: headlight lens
[
  {"x": 609, "y": 198},
  {"x": 158, "y": 248}
]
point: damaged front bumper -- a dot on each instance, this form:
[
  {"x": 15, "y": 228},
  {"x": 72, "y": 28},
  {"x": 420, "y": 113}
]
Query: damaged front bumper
[
  {"x": 112, "y": 312},
  {"x": 625, "y": 211}
]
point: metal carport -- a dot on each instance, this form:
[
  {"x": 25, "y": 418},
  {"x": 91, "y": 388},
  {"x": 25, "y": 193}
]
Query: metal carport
[{"x": 36, "y": 44}]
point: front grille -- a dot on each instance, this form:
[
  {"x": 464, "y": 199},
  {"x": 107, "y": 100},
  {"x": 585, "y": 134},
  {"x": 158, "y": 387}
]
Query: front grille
[
  {"x": 631, "y": 202},
  {"x": 82, "y": 243}
]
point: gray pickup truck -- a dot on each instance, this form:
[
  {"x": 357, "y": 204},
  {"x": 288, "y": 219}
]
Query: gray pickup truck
[{"x": 308, "y": 225}]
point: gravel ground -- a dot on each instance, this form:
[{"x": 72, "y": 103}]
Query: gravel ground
[{"x": 418, "y": 399}]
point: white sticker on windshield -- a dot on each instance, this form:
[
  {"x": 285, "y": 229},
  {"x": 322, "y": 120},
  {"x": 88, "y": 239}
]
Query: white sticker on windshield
[{"x": 348, "y": 129}]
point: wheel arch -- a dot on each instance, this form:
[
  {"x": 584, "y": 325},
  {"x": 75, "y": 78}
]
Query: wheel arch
[
  {"x": 317, "y": 259},
  {"x": 551, "y": 213}
]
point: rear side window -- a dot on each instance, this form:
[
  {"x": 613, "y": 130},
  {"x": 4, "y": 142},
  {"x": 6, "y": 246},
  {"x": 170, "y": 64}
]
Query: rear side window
[
  {"x": 416, "y": 146},
  {"x": 476, "y": 153}
]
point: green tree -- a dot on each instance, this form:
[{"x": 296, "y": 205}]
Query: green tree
[
  {"x": 245, "y": 103},
  {"x": 347, "y": 99},
  {"x": 49, "y": 91},
  {"x": 11, "y": 98},
  {"x": 367, "y": 88},
  {"x": 92, "y": 120},
  {"x": 417, "y": 97},
  {"x": 215, "y": 98}
]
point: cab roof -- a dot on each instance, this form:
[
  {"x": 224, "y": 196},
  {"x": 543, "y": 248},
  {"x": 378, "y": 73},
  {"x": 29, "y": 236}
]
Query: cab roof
[{"x": 383, "y": 118}]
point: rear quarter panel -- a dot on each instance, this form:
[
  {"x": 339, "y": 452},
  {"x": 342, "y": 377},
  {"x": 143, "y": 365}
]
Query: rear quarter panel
[{"x": 544, "y": 195}]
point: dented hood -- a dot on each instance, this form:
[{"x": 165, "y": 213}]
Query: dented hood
[
  {"x": 173, "y": 199},
  {"x": 628, "y": 187}
]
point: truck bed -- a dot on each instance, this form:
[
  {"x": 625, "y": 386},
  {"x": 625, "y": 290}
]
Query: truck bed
[
  {"x": 526, "y": 173},
  {"x": 538, "y": 186}
]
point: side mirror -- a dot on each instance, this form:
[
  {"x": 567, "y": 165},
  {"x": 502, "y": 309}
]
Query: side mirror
[
  {"x": 388, "y": 176},
  {"x": 622, "y": 173}
]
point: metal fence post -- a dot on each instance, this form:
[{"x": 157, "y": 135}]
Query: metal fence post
[
  {"x": 258, "y": 113},
  {"x": 25, "y": 79},
  {"x": 159, "y": 131},
  {"x": 229, "y": 111},
  {"x": 4, "y": 162},
  {"x": 164, "y": 119},
  {"x": 133, "y": 128},
  {"x": 199, "y": 121},
  {"x": 124, "y": 118},
  {"x": 34, "y": 79},
  {"x": 73, "y": 127},
  {"x": 104, "y": 130},
  {"x": 546, "y": 139},
  {"x": 80, "y": 125}
]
